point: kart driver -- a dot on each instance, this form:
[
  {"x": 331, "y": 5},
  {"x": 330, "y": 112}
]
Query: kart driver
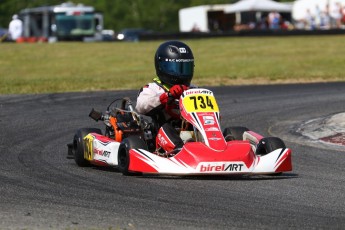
[{"x": 174, "y": 64}]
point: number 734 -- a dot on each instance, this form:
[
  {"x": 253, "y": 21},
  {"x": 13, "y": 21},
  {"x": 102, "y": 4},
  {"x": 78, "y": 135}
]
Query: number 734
[{"x": 202, "y": 102}]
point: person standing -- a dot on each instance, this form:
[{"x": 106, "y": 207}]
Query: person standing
[{"x": 15, "y": 28}]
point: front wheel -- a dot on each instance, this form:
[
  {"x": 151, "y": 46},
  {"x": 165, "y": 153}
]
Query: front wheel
[
  {"x": 269, "y": 144},
  {"x": 131, "y": 142},
  {"x": 79, "y": 147}
]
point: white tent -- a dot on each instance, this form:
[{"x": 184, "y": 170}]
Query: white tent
[
  {"x": 300, "y": 7},
  {"x": 259, "y": 6},
  {"x": 197, "y": 16}
]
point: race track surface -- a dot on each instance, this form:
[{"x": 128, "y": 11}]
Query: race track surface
[{"x": 41, "y": 189}]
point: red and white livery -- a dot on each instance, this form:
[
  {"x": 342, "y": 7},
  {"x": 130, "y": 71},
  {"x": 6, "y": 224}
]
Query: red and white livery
[{"x": 208, "y": 151}]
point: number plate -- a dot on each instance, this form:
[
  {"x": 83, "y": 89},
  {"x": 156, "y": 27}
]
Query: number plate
[{"x": 200, "y": 101}]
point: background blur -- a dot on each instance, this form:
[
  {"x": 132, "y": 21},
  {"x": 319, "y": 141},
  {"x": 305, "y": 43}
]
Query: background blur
[{"x": 157, "y": 15}]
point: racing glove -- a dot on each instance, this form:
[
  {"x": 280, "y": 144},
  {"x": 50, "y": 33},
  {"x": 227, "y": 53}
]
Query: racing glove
[
  {"x": 177, "y": 90},
  {"x": 174, "y": 93}
]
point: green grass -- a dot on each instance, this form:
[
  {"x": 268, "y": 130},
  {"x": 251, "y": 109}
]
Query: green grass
[{"x": 64, "y": 67}]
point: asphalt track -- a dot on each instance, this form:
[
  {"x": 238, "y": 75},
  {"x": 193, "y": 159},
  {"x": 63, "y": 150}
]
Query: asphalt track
[{"x": 41, "y": 189}]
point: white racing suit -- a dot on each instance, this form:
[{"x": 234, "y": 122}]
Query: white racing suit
[{"x": 148, "y": 103}]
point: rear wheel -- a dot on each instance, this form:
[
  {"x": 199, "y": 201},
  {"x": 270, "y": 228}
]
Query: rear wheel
[
  {"x": 234, "y": 133},
  {"x": 269, "y": 144},
  {"x": 131, "y": 142},
  {"x": 79, "y": 147}
]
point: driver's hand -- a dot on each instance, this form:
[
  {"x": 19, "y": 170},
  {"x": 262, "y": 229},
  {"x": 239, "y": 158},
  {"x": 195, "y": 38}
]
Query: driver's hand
[
  {"x": 174, "y": 93},
  {"x": 177, "y": 90}
]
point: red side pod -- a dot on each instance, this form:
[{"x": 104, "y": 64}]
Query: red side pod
[
  {"x": 286, "y": 164},
  {"x": 139, "y": 163}
]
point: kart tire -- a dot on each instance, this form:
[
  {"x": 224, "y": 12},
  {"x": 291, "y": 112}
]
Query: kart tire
[
  {"x": 234, "y": 133},
  {"x": 131, "y": 142},
  {"x": 78, "y": 145},
  {"x": 269, "y": 144}
]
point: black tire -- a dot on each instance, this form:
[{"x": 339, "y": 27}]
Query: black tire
[
  {"x": 234, "y": 133},
  {"x": 78, "y": 145},
  {"x": 131, "y": 142},
  {"x": 269, "y": 144}
]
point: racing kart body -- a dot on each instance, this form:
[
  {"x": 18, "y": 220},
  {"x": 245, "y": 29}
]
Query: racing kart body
[{"x": 207, "y": 150}]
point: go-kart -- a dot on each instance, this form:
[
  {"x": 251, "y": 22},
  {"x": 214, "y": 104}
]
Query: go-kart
[{"x": 128, "y": 143}]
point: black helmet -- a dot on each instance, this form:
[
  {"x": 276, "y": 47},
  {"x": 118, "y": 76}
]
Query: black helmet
[{"x": 174, "y": 63}]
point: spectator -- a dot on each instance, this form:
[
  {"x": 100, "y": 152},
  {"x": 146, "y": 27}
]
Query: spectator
[
  {"x": 274, "y": 19},
  {"x": 336, "y": 15},
  {"x": 195, "y": 28},
  {"x": 309, "y": 21},
  {"x": 343, "y": 17},
  {"x": 318, "y": 17},
  {"x": 325, "y": 18},
  {"x": 15, "y": 28}
]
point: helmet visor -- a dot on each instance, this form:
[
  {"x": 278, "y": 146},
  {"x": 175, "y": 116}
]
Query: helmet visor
[{"x": 185, "y": 68}]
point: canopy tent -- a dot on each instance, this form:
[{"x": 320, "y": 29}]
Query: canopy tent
[{"x": 258, "y": 6}]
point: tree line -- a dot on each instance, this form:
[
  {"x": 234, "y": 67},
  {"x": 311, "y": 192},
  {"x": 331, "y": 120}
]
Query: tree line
[{"x": 157, "y": 15}]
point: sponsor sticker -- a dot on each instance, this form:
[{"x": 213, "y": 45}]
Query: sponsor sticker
[
  {"x": 162, "y": 140},
  {"x": 212, "y": 129},
  {"x": 178, "y": 60},
  {"x": 182, "y": 50},
  {"x": 210, "y": 167},
  {"x": 208, "y": 120},
  {"x": 101, "y": 152},
  {"x": 215, "y": 138}
]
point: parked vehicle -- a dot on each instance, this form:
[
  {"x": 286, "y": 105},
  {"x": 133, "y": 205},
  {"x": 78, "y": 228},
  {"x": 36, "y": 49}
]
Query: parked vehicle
[{"x": 67, "y": 21}]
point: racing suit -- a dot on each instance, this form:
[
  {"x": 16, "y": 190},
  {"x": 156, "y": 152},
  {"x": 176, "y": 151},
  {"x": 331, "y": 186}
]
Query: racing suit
[{"x": 167, "y": 116}]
